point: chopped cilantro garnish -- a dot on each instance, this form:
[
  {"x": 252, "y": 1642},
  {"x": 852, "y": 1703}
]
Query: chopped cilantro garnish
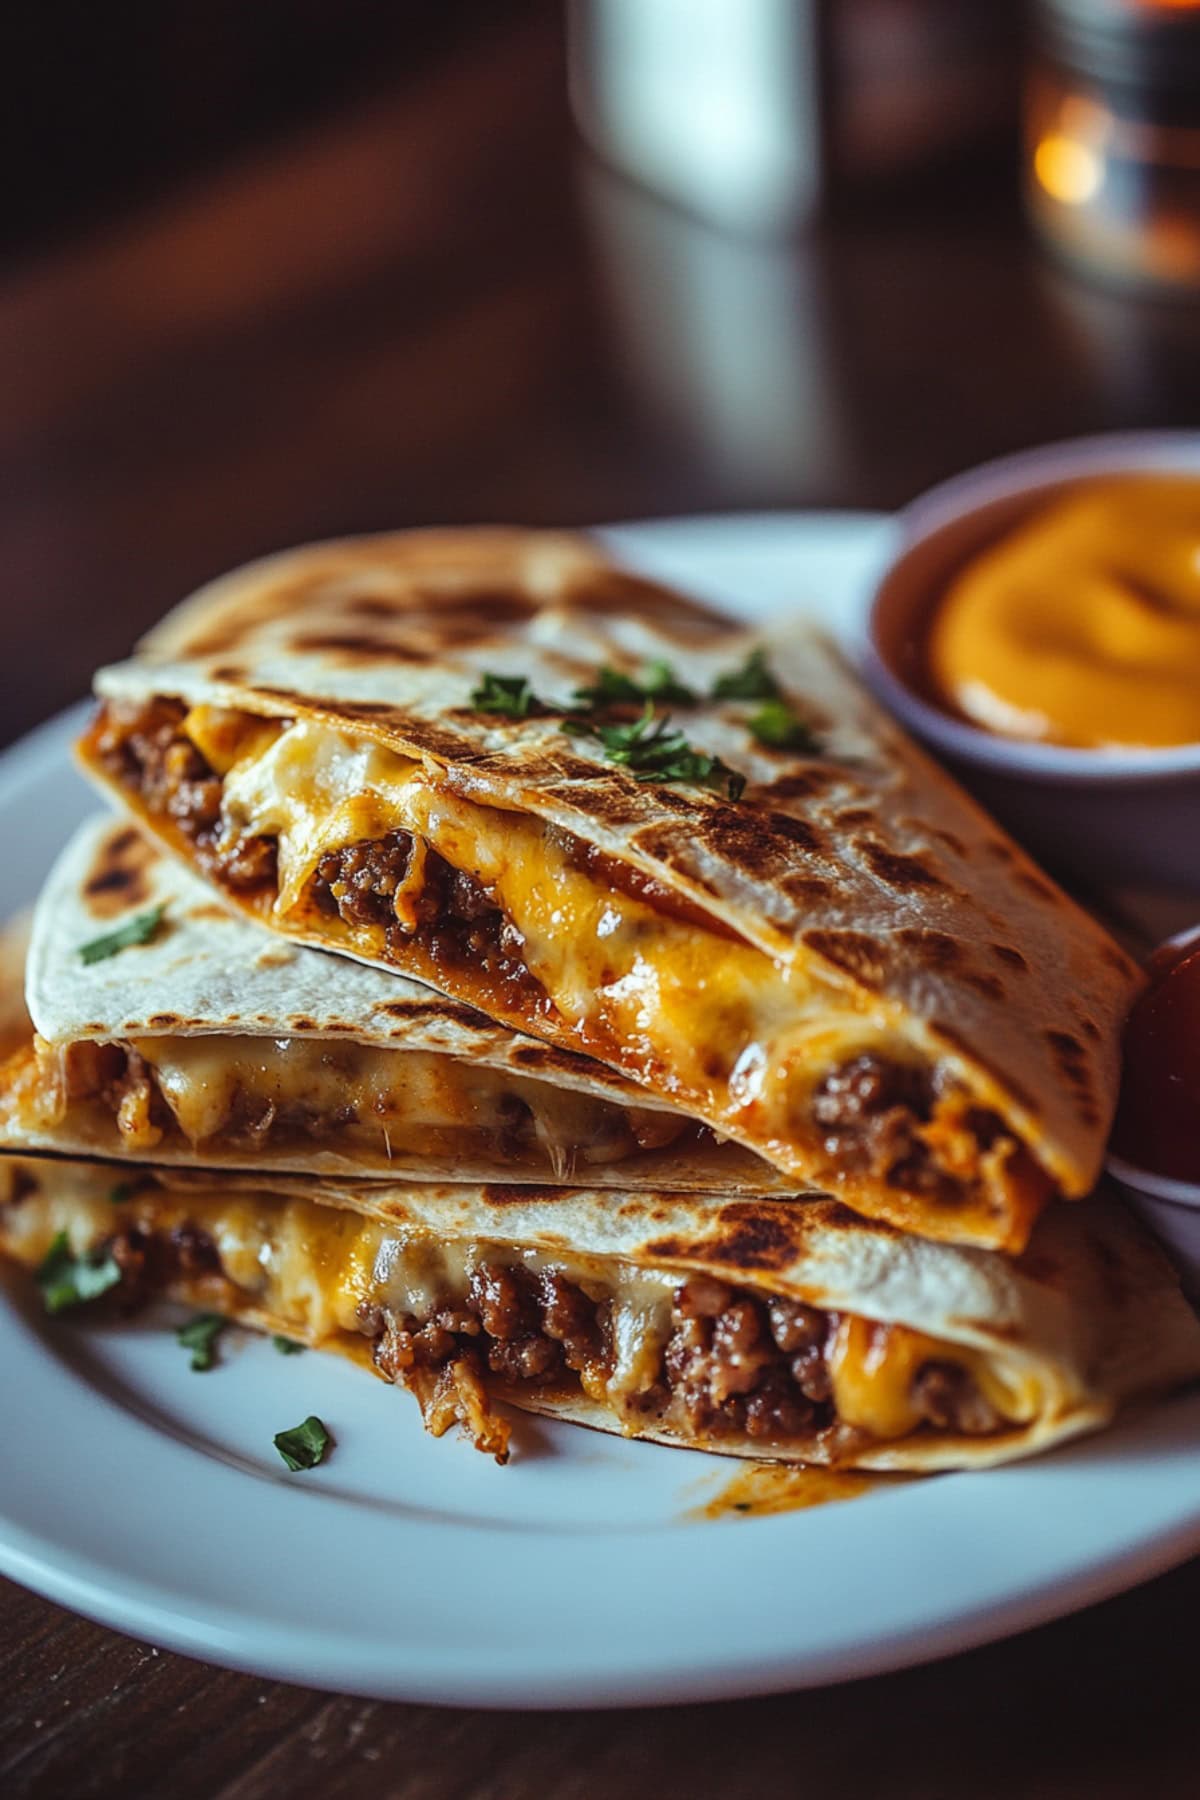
[
  {"x": 68, "y": 1280},
  {"x": 753, "y": 681},
  {"x": 304, "y": 1446},
  {"x": 138, "y": 930},
  {"x": 287, "y": 1346},
  {"x": 124, "y": 1190},
  {"x": 657, "y": 681},
  {"x": 776, "y": 726},
  {"x": 510, "y": 695},
  {"x": 200, "y": 1336},
  {"x": 654, "y": 752}
]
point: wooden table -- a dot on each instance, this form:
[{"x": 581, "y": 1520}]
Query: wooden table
[{"x": 437, "y": 309}]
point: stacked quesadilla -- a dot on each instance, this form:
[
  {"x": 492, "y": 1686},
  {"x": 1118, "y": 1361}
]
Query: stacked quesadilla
[
  {"x": 214, "y": 1045},
  {"x": 509, "y": 965},
  {"x": 750, "y": 1328}
]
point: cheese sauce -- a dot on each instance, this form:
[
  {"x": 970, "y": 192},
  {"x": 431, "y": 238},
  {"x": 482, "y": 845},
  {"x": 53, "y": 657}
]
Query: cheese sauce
[{"x": 1081, "y": 626}]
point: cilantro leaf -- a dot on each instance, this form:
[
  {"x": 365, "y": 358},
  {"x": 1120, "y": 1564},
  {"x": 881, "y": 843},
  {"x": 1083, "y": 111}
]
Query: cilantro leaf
[
  {"x": 776, "y": 726},
  {"x": 509, "y": 695},
  {"x": 654, "y": 752},
  {"x": 657, "y": 681},
  {"x": 123, "y": 1191},
  {"x": 753, "y": 681},
  {"x": 287, "y": 1346},
  {"x": 304, "y": 1446},
  {"x": 138, "y": 930},
  {"x": 67, "y": 1280},
  {"x": 200, "y": 1336}
]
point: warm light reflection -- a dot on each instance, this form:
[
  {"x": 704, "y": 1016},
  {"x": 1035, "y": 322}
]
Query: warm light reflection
[{"x": 1068, "y": 170}]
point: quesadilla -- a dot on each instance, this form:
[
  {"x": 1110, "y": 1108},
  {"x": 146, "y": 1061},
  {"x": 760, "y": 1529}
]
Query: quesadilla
[
  {"x": 170, "y": 1028},
  {"x": 601, "y": 814},
  {"x": 754, "y": 1328}
]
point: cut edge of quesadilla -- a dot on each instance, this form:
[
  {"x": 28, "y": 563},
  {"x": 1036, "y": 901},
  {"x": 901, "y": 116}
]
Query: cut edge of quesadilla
[
  {"x": 341, "y": 1108},
  {"x": 526, "y": 924},
  {"x": 207, "y": 1042},
  {"x": 761, "y": 1337}
]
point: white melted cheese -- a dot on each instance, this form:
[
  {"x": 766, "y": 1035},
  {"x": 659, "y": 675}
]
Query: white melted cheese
[
  {"x": 386, "y": 1100},
  {"x": 316, "y": 790}
]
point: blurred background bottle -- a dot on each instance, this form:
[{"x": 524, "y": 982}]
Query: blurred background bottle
[
  {"x": 751, "y": 114},
  {"x": 1112, "y": 138}
]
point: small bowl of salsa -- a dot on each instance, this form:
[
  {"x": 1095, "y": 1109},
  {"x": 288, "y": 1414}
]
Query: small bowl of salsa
[
  {"x": 1039, "y": 627},
  {"x": 1155, "y": 1150}
]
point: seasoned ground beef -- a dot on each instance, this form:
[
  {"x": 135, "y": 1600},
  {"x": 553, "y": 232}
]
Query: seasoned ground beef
[
  {"x": 574, "y": 1322},
  {"x": 733, "y": 1362},
  {"x": 725, "y": 1363},
  {"x": 150, "y": 1261},
  {"x": 949, "y": 1399},
  {"x": 460, "y": 922},
  {"x": 868, "y": 1111},
  {"x": 147, "y": 750},
  {"x": 361, "y": 881}
]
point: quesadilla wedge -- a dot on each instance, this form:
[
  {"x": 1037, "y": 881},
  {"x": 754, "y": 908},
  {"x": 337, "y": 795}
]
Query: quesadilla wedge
[
  {"x": 753, "y": 1328},
  {"x": 769, "y": 910},
  {"x": 169, "y": 1027}
]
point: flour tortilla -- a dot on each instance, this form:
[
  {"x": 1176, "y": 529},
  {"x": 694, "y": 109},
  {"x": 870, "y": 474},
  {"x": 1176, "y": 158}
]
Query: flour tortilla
[{"x": 861, "y": 865}]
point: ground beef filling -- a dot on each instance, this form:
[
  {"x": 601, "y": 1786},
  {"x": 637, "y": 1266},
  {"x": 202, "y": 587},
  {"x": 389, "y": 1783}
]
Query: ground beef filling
[
  {"x": 459, "y": 922},
  {"x": 869, "y": 1111},
  {"x": 150, "y": 1261},
  {"x": 124, "y": 1083},
  {"x": 734, "y": 1363},
  {"x": 148, "y": 752}
]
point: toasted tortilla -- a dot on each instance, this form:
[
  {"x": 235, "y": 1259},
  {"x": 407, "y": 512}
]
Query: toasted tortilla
[
  {"x": 612, "y": 1309},
  {"x": 213, "y": 1044},
  {"x": 847, "y": 940}
]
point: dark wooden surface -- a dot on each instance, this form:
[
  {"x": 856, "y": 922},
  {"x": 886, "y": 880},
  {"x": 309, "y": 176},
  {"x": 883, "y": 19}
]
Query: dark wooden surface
[{"x": 433, "y": 307}]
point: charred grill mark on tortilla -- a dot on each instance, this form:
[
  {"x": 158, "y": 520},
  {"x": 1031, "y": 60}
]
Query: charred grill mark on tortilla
[{"x": 118, "y": 880}]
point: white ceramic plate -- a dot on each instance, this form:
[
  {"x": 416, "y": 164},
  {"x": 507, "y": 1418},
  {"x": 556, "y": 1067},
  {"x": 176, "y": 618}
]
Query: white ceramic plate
[{"x": 151, "y": 1498}]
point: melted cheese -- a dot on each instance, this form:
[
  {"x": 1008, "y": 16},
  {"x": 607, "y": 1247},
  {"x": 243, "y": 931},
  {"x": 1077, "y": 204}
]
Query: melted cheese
[
  {"x": 730, "y": 1032},
  {"x": 872, "y": 1368},
  {"x": 379, "y": 1102}
]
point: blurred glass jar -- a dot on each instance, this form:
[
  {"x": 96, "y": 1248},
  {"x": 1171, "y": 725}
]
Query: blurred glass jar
[
  {"x": 1112, "y": 138},
  {"x": 749, "y": 112}
]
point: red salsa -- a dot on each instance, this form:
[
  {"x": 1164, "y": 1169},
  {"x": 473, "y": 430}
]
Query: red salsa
[{"x": 1158, "y": 1121}]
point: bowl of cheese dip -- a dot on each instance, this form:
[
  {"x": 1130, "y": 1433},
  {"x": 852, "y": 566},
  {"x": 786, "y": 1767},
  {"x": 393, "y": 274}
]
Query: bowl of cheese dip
[{"x": 1039, "y": 627}]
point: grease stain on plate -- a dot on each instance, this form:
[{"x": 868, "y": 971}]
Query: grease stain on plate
[{"x": 760, "y": 1489}]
